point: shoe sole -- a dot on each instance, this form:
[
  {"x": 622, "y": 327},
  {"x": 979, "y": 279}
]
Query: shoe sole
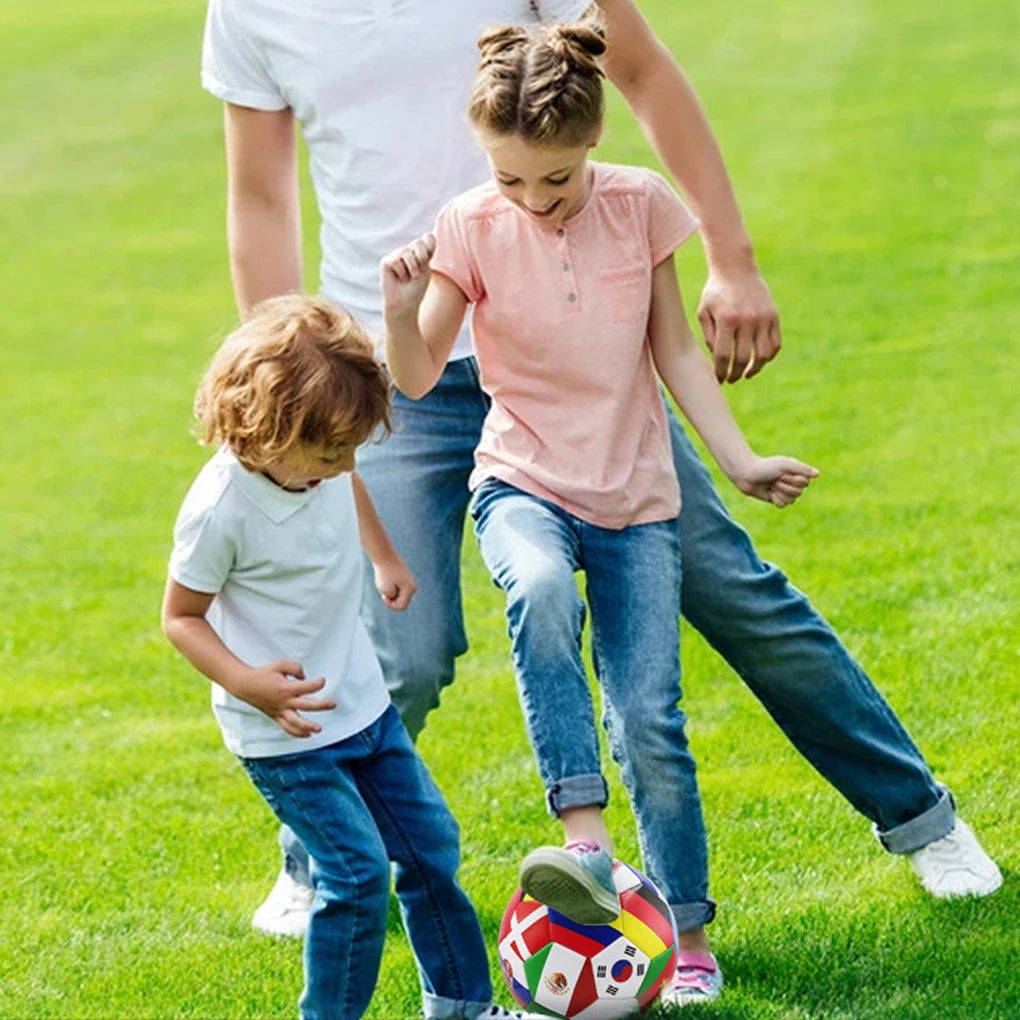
[
  {"x": 566, "y": 887},
  {"x": 985, "y": 887},
  {"x": 681, "y": 1001}
]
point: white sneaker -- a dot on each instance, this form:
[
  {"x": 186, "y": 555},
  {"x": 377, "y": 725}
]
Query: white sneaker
[
  {"x": 956, "y": 865},
  {"x": 286, "y": 908}
]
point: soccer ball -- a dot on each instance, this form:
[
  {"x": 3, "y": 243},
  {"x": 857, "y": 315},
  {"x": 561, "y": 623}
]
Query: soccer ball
[{"x": 556, "y": 967}]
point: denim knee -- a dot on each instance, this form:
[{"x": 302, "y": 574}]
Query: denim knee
[
  {"x": 365, "y": 882},
  {"x": 416, "y": 692},
  {"x": 417, "y": 653},
  {"x": 542, "y": 590}
]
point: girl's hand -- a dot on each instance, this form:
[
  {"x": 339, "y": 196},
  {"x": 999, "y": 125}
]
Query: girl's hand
[
  {"x": 404, "y": 276},
  {"x": 280, "y": 690},
  {"x": 395, "y": 582},
  {"x": 776, "y": 480}
]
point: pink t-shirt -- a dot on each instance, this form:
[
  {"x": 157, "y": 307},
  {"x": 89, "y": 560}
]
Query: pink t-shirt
[{"x": 560, "y": 329}]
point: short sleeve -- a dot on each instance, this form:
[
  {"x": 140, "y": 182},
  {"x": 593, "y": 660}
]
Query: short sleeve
[
  {"x": 553, "y": 11},
  {"x": 203, "y": 552},
  {"x": 670, "y": 222},
  {"x": 233, "y": 68},
  {"x": 453, "y": 257}
]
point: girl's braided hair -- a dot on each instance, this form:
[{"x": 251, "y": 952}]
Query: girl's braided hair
[{"x": 543, "y": 85}]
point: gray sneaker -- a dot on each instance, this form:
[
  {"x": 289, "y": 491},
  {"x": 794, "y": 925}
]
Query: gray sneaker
[{"x": 575, "y": 880}]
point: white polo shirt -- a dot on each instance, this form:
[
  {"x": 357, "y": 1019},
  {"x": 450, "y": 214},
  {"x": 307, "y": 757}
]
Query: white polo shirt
[
  {"x": 286, "y": 569},
  {"x": 381, "y": 89}
]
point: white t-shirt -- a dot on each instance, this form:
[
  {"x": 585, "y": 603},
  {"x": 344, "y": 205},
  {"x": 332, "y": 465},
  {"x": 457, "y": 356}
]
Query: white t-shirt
[
  {"x": 286, "y": 569},
  {"x": 381, "y": 89}
]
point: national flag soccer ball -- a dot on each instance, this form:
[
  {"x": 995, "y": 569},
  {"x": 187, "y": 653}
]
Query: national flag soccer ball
[{"x": 556, "y": 967}]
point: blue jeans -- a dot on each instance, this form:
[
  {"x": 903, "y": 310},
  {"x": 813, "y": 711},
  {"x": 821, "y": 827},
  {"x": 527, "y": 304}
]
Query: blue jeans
[
  {"x": 356, "y": 806},
  {"x": 766, "y": 629},
  {"x": 533, "y": 548}
]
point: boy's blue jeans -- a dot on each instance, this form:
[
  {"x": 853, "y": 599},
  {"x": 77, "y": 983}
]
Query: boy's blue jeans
[
  {"x": 533, "y": 549},
  {"x": 767, "y": 630},
  {"x": 356, "y": 806}
]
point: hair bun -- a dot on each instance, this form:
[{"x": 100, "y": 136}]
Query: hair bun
[
  {"x": 497, "y": 41},
  {"x": 578, "y": 44}
]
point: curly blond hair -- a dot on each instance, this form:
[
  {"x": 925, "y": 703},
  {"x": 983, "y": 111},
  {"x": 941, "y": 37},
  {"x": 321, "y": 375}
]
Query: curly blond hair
[
  {"x": 297, "y": 372},
  {"x": 544, "y": 85}
]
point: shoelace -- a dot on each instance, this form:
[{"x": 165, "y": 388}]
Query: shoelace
[
  {"x": 692, "y": 980},
  {"x": 949, "y": 847},
  {"x": 583, "y": 846}
]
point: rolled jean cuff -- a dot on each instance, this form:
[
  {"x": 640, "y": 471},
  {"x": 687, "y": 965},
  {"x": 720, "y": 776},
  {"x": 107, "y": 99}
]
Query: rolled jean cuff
[
  {"x": 691, "y": 916},
  {"x": 436, "y": 1007},
  {"x": 927, "y": 827},
  {"x": 590, "y": 790}
]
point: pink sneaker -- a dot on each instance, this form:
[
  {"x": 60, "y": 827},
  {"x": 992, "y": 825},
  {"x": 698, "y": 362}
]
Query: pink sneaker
[{"x": 697, "y": 979}]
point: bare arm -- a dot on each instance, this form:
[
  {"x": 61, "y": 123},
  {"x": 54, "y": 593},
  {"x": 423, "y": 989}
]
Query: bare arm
[
  {"x": 395, "y": 582},
  {"x": 263, "y": 208},
  {"x": 422, "y": 314},
  {"x": 737, "y": 313},
  {"x": 689, "y": 378},
  {"x": 278, "y": 689}
]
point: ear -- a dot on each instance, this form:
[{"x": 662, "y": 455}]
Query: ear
[{"x": 595, "y": 137}]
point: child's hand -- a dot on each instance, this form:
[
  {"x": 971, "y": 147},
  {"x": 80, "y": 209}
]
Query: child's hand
[
  {"x": 280, "y": 690},
  {"x": 395, "y": 582},
  {"x": 404, "y": 275},
  {"x": 777, "y": 480}
]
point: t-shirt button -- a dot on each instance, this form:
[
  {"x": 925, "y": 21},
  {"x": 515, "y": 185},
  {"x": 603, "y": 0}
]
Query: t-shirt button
[
  {"x": 566, "y": 266},
  {"x": 560, "y": 232},
  {"x": 571, "y": 296}
]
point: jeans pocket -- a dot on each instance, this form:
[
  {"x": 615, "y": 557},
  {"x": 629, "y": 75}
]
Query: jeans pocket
[
  {"x": 271, "y": 779},
  {"x": 255, "y": 774}
]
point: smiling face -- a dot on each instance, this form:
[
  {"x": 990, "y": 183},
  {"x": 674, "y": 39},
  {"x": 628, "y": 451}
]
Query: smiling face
[
  {"x": 549, "y": 183},
  {"x": 303, "y": 467}
]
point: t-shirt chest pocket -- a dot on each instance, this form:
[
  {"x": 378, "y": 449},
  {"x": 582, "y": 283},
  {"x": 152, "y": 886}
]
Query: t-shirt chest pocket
[{"x": 625, "y": 292}]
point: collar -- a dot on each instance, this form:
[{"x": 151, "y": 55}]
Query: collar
[{"x": 275, "y": 502}]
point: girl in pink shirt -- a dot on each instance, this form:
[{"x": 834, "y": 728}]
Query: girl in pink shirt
[{"x": 576, "y": 316}]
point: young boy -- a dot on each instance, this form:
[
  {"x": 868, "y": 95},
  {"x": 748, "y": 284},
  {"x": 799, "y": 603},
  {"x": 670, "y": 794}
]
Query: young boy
[{"x": 263, "y": 598}]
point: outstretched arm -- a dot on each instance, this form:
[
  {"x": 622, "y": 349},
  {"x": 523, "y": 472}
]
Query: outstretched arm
[
  {"x": 263, "y": 209},
  {"x": 737, "y": 313},
  {"x": 689, "y": 378}
]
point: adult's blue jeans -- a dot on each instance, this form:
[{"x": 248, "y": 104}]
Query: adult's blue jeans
[
  {"x": 358, "y": 805},
  {"x": 766, "y": 629},
  {"x": 533, "y": 549}
]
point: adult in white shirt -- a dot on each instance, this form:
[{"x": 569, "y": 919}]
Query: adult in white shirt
[{"x": 379, "y": 89}]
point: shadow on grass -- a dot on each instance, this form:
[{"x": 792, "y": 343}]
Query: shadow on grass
[{"x": 921, "y": 959}]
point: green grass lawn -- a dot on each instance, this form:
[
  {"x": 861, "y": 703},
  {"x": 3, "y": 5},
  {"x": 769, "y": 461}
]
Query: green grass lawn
[{"x": 876, "y": 151}]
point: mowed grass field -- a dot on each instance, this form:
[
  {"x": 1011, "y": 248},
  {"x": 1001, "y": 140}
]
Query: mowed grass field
[{"x": 876, "y": 152}]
